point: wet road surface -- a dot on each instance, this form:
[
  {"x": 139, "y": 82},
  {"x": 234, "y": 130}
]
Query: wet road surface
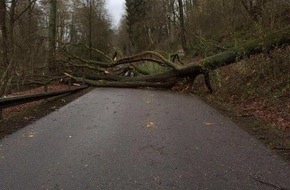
[{"x": 137, "y": 139}]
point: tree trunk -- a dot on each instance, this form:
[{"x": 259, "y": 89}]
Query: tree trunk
[
  {"x": 5, "y": 50},
  {"x": 4, "y": 37},
  {"x": 11, "y": 25},
  {"x": 182, "y": 25},
  {"x": 254, "y": 8},
  {"x": 52, "y": 36},
  {"x": 91, "y": 3}
]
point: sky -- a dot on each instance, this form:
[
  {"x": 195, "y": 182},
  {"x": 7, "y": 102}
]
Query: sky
[{"x": 116, "y": 9}]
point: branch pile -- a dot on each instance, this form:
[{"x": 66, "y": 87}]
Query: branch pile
[{"x": 126, "y": 72}]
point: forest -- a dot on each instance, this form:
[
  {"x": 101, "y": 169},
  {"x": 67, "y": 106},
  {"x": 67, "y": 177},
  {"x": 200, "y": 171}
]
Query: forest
[{"x": 237, "y": 49}]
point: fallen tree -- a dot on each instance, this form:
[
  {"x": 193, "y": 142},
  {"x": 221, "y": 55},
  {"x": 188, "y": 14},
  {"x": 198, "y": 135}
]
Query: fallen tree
[{"x": 112, "y": 73}]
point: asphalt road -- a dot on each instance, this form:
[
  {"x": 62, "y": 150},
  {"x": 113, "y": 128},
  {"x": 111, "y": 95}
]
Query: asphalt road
[{"x": 137, "y": 139}]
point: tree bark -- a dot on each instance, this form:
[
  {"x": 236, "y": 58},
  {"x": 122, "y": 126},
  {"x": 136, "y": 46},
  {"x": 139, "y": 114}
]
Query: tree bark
[
  {"x": 123, "y": 84},
  {"x": 4, "y": 45},
  {"x": 11, "y": 25},
  {"x": 52, "y": 36},
  {"x": 254, "y": 8},
  {"x": 5, "y": 50},
  {"x": 182, "y": 25},
  {"x": 91, "y": 3}
]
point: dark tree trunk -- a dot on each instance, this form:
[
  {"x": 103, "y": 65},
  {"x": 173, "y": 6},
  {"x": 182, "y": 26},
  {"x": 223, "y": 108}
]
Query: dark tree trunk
[
  {"x": 182, "y": 25},
  {"x": 4, "y": 45},
  {"x": 52, "y": 36},
  {"x": 254, "y": 8},
  {"x": 90, "y": 28},
  {"x": 11, "y": 25}
]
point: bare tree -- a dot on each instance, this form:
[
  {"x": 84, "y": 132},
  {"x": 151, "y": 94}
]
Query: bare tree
[{"x": 254, "y": 8}]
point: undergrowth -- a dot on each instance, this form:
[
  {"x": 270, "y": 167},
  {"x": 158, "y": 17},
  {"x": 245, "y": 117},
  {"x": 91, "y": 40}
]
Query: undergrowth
[{"x": 259, "y": 85}]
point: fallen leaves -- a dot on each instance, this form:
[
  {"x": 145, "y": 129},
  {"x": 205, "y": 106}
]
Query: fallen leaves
[
  {"x": 29, "y": 118},
  {"x": 209, "y": 123},
  {"x": 31, "y": 134},
  {"x": 268, "y": 111},
  {"x": 150, "y": 124},
  {"x": 148, "y": 101}
]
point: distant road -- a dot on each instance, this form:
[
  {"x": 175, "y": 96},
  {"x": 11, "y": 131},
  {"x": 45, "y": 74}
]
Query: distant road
[{"x": 137, "y": 139}]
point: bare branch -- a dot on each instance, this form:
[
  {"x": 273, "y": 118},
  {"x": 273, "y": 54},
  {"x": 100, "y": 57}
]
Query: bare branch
[
  {"x": 154, "y": 54},
  {"x": 20, "y": 14}
]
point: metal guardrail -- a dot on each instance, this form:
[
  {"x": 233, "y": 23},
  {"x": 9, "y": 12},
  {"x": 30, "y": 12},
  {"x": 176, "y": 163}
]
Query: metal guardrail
[{"x": 18, "y": 100}]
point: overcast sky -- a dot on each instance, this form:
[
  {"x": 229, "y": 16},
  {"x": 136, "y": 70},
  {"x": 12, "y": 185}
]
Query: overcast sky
[{"x": 116, "y": 9}]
